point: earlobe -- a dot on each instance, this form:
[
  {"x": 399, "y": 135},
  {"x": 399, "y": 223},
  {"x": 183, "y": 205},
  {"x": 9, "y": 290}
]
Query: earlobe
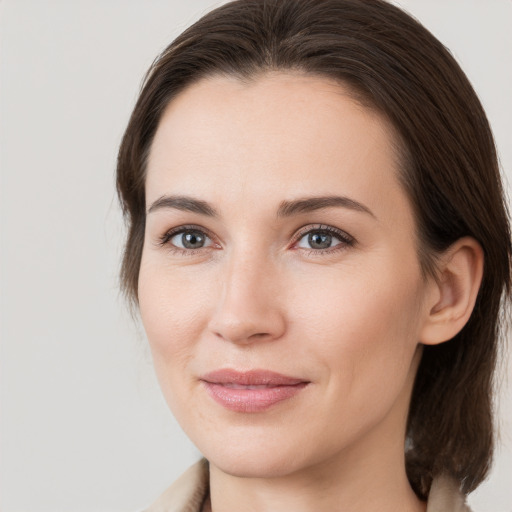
[{"x": 455, "y": 290}]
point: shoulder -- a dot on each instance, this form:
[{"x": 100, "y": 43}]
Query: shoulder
[
  {"x": 445, "y": 496},
  {"x": 186, "y": 494}
]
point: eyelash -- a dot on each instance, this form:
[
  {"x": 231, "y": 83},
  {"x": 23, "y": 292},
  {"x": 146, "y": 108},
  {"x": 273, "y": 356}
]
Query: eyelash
[
  {"x": 344, "y": 238},
  {"x": 165, "y": 239}
]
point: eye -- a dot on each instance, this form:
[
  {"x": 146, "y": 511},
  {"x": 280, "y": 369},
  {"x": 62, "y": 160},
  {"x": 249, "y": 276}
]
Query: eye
[
  {"x": 186, "y": 239},
  {"x": 190, "y": 239},
  {"x": 323, "y": 238},
  {"x": 317, "y": 240}
]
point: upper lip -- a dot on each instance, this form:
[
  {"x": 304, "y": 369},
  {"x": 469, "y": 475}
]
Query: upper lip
[{"x": 250, "y": 378}]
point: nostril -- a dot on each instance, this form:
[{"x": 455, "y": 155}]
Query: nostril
[
  {"x": 260, "y": 335},
  {"x": 241, "y": 337}
]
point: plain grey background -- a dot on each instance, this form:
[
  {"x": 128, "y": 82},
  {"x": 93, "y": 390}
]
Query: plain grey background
[{"x": 83, "y": 424}]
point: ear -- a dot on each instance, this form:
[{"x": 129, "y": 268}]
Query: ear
[{"x": 454, "y": 291}]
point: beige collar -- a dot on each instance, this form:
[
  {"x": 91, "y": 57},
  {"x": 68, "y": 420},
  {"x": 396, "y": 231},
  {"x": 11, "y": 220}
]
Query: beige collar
[
  {"x": 188, "y": 493},
  {"x": 445, "y": 496}
]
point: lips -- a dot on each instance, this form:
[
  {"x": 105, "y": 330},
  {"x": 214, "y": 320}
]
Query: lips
[{"x": 251, "y": 391}]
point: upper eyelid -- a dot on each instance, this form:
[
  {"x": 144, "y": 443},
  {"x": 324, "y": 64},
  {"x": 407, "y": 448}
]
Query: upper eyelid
[
  {"x": 301, "y": 232},
  {"x": 188, "y": 227}
]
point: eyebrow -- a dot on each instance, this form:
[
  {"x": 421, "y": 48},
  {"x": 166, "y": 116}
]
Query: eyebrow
[
  {"x": 183, "y": 203},
  {"x": 310, "y": 204},
  {"x": 286, "y": 208}
]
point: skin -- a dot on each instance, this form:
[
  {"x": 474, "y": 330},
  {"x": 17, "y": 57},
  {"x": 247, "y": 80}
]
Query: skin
[{"x": 349, "y": 319}]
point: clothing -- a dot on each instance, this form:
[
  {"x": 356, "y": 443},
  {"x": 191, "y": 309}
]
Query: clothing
[{"x": 189, "y": 492}]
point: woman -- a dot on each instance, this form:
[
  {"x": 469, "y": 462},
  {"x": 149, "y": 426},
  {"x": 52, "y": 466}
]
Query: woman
[{"x": 319, "y": 247}]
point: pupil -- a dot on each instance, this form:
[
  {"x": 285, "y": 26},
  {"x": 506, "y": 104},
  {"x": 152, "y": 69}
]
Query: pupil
[
  {"x": 320, "y": 240},
  {"x": 192, "y": 240}
]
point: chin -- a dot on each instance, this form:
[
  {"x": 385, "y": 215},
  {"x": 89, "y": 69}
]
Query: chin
[
  {"x": 259, "y": 456},
  {"x": 254, "y": 465}
]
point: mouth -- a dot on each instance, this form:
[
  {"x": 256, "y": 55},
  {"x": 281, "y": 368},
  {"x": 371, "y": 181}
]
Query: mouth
[{"x": 251, "y": 391}]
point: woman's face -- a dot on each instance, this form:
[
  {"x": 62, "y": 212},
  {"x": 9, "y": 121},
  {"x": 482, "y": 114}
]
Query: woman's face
[{"x": 280, "y": 287}]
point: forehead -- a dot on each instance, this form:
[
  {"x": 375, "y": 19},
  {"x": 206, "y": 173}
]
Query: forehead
[{"x": 278, "y": 134}]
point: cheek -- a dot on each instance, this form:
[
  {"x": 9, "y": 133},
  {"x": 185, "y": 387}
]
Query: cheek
[
  {"x": 362, "y": 333},
  {"x": 364, "y": 326},
  {"x": 172, "y": 308}
]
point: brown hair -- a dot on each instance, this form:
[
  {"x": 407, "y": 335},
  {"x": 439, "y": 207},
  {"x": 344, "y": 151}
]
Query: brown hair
[{"x": 449, "y": 170}]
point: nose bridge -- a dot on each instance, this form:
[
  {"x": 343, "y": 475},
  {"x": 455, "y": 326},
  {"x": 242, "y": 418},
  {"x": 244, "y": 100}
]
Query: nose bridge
[{"x": 248, "y": 305}]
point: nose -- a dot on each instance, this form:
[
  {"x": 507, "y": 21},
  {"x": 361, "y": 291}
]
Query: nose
[{"x": 249, "y": 306}]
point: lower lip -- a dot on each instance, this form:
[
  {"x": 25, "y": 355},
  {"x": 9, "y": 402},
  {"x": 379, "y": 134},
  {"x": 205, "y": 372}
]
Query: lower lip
[{"x": 251, "y": 400}]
